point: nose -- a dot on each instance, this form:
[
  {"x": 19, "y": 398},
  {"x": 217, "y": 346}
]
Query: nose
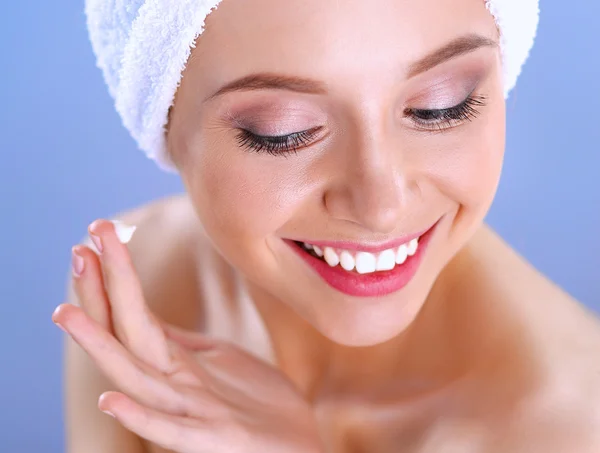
[{"x": 370, "y": 190}]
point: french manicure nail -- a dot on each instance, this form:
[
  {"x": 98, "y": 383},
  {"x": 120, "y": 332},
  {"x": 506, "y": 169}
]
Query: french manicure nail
[
  {"x": 77, "y": 263},
  {"x": 109, "y": 413},
  {"x": 56, "y": 311},
  {"x": 100, "y": 403},
  {"x": 97, "y": 242},
  {"x": 54, "y": 315},
  {"x": 61, "y": 327}
]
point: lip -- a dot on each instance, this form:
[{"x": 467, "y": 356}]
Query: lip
[
  {"x": 376, "y": 284},
  {"x": 371, "y": 248}
]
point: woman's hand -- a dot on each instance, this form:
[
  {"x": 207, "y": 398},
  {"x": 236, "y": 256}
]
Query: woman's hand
[{"x": 185, "y": 392}]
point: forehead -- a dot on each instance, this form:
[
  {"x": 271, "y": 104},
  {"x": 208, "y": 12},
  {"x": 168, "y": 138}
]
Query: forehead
[{"x": 329, "y": 38}]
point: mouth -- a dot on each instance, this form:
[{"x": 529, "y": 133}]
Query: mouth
[{"x": 365, "y": 271}]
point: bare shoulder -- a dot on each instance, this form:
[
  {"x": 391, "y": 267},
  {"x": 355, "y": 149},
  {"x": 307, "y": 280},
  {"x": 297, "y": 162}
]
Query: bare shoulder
[
  {"x": 562, "y": 336},
  {"x": 561, "y": 417},
  {"x": 508, "y": 274},
  {"x": 565, "y": 327}
]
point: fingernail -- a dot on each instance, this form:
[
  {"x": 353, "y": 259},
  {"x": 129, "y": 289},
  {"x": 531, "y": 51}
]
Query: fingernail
[
  {"x": 124, "y": 232},
  {"x": 55, "y": 312},
  {"x": 60, "y": 326},
  {"x": 97, "y": 242},
  {"x": 95, "y": 239},
  {"x": 77, "y": 263},
  {"x": 109, "y": 413},
  {"x": 54, "y": 315},
  {"x": 101, "y": 403}
]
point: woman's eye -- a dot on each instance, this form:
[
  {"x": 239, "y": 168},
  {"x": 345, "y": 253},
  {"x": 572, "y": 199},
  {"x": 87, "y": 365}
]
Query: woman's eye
[
  {"x": 439, "y": 119},
  {"x": 446, "y": 118},
  {"x": 276, "y": 145}
]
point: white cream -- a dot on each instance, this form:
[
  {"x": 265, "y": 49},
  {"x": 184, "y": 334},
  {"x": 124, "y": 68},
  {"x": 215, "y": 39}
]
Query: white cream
[{"x": 123, "y": 231}]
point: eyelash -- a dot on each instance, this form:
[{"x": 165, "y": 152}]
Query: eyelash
[
  {"x": 275, "y": 145},
  {"x": 442, "y": 119},
  {"x": 430, "y": 120}
]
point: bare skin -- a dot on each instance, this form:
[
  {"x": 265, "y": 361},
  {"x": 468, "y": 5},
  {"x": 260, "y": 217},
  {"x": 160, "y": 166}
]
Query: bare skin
[
  {"x": 534, "y": 383},
  {"x": 479, "y": 353}
]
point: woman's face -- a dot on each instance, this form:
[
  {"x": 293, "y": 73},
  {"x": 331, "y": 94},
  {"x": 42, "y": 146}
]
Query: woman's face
[{"x": 352, "y": 126}]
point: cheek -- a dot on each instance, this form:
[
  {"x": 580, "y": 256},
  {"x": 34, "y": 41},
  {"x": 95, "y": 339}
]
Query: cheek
[
  {"x": 467, "y": 166},
  {"x": 243, "y": 195}
]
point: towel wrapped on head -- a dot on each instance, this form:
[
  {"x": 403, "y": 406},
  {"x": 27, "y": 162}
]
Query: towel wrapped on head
[{"x": 142, "y": 47}]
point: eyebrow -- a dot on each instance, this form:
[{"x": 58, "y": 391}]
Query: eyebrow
[
  {"x": 266, "y": 80},
  {"x": 455, "y": 48}
]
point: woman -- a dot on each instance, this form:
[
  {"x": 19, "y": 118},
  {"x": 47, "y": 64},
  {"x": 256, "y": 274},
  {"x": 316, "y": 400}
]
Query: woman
[{"x": 330, "y": 253}]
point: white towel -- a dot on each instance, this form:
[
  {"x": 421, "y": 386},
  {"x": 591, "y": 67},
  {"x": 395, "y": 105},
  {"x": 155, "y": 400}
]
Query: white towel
[{"x": 142, "y": 47}]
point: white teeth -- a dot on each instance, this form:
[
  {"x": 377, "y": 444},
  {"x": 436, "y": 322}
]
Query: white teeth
[
  {"x": 412, "y": 247},
  {"x": 347, "y": 261},
  {"x": 331, "y": 257},
  {"x": 365, "y": 262},
  {"x": 401, "y": 254},
  {"x": 386, "y": 261}
]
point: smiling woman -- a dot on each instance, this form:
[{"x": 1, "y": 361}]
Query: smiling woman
[{"x": 327, "y": 282}]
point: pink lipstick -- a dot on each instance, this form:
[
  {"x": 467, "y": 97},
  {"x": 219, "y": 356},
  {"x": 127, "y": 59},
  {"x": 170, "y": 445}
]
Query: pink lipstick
[{"x": 372, "y": 284}]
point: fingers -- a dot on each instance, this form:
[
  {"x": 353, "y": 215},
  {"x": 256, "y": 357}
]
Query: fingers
[
  {"x": 133, "y": 323},
  {"x": 189, "y": 340},
  {"x": 180, "y": 434},
  {"x": 241, "y": 373},
  {"x": 126, "y": 372},
  {"x": 231, "y": 372},
  {"x": 89, "y": 286},
  {"x": 208, "y": 352}
]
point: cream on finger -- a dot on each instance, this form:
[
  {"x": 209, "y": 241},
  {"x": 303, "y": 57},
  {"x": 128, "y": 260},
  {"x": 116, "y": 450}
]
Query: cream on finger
[{"x": 123, "y": 231}]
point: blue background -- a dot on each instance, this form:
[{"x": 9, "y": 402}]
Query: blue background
[{"x": 67, "y": 160}]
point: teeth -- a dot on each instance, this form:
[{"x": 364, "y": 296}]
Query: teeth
[
  {"x": 331, "y": 257},
  {"x": 412, "y": 247},
  {"x": 347, "y": 261},
  {"x": 386, "y": 261},
  {"x": 364, "y": 262},
  {"x": 401, "y": 254}
]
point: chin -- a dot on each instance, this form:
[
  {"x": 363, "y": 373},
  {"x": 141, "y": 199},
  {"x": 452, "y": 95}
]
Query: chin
[{"x": 370, "y": 328}]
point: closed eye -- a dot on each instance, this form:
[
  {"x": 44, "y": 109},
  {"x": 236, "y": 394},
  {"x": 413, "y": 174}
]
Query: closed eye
[
  {"x": 276, "y": 144},
  {"x": 441, "y": 119}
]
